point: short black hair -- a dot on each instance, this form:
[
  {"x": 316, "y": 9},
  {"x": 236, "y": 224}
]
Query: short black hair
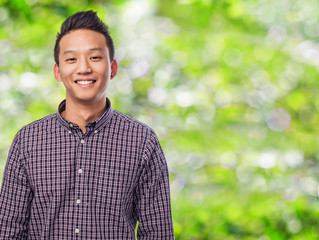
[{"x": 83, "y": 20}]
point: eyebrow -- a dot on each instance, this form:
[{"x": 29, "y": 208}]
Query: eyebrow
[{"x": 91, "y": 50}]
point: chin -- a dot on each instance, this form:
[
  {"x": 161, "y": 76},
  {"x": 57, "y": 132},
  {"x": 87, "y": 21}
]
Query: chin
[{"x": 89, "y": 99}]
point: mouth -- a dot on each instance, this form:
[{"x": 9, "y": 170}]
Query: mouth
[{"x": 85, "y": 82}]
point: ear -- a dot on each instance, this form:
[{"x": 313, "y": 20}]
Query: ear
[
  {"x": 114, "y": 68},
  {"x": 57, "y": 74}
]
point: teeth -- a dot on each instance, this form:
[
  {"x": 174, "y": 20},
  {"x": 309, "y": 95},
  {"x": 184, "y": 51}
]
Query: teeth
[{"x": 84, "y": 82}]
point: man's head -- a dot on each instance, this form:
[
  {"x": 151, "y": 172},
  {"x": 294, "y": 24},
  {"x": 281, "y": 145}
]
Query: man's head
[
  {"x": 83, "y": 20},
  {"x": 84, "y": 59}
]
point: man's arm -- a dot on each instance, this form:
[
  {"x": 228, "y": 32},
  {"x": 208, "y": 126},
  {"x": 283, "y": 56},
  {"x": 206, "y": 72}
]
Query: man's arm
[
  {"x": 15, "y": 197},
  {"x": 153, "y": 195}
]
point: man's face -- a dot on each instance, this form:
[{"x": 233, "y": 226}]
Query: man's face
[{"x": 84, "y": 66}]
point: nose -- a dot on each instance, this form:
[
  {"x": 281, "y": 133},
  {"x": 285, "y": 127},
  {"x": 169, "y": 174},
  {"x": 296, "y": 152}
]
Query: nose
[{"x": 83, "y": 67}]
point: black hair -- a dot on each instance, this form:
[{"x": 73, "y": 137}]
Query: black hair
[{"x": 83, "y": 20}]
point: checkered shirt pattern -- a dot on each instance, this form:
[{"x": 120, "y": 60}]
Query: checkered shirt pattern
[{"x": 59, "y": 183}]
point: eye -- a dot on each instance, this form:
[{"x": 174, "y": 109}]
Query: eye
[
  {"x": 96, "y": 58},
  {"x": 70, "y": 60}
]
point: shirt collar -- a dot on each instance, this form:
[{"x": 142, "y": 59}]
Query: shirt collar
[{"x": 98, "y": 123}]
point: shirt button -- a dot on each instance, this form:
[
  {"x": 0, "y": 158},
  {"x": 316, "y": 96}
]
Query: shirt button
[
  {"x": 77, "y": 230},
  {"x": 80, "y": 171},
  {"x": 82, "y": 141},
  {"x": 70, "y": 132},
  {"x": 78, "y": 201},
  {"x": 71, "y": 125},
  {"x": 95, "y": 131}
]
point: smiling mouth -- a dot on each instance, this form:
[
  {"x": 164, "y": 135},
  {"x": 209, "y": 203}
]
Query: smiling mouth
[{"x": 85, "y": 82}]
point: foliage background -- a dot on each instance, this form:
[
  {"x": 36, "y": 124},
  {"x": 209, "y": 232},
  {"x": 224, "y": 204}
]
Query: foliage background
[{"x": 229, "y": 86}]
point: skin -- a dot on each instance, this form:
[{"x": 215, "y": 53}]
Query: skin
[{"x": 84, "y": 55}]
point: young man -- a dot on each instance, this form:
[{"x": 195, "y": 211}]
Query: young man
[{"x": 88, "y": 171}]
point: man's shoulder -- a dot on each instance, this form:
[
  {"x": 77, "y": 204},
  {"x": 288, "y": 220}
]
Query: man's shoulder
[
  {"x": 36, "y": 129},
  {"x": 46, "y": 123},
  {"x": 126, "y": 120}
]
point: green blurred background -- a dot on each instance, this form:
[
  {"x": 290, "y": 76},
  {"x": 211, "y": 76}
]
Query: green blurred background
[{"x": 230, "y": 87}]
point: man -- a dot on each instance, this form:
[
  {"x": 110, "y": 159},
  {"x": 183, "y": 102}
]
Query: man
[{"x": 88, "y": 171}]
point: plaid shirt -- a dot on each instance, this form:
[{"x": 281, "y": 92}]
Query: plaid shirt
[{"x": 62, "y": 184}]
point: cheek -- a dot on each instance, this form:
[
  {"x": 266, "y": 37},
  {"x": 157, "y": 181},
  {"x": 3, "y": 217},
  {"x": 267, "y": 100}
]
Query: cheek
[
  {"x": 67, "y": 71},
  {"x": 103, "y": 68},
  {"x": 104, "y": 72}
]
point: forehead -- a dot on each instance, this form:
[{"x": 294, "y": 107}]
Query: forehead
[{"x": 82, "y": 39}]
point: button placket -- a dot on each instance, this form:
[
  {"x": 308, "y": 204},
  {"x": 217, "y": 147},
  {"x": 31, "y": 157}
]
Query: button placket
[{"x": 78, "y": 202}]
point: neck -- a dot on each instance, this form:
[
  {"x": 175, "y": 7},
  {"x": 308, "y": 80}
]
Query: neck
[{"x": 83, "y": 113}]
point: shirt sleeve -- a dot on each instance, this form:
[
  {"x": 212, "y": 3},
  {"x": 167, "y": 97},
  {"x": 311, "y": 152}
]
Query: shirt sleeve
[
  {"x": 153, "y": 197},
  {"x": 15, "y": 197}
]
